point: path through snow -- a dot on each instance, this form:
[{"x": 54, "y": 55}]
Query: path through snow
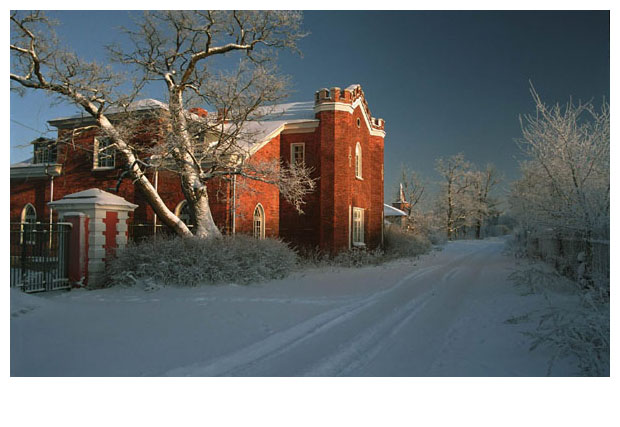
[{"x": 441, "y": 315}]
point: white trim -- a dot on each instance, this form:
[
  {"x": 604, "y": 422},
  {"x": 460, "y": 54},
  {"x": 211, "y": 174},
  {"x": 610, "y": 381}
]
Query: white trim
[
  {"x": 97, "y": 151},
  {"x": 303, "y": 151},
  {"x": 350, "y": 108},
  {"x": 297, "y": 127},
  {"x": 349, "y": 226},
  {"x": 179, "y": 209},
  {"x": 263, "y": 218},
  {"x": 301, "y": 127},
  {"x": 36, "y": 171},
  {"x": 23, "y": 228},
  {"x": 23, "y": 214},
  {"x": 358, "y": 161},
  {"x": 334, "y": 106},
  {"x": 360, "y": 241}
]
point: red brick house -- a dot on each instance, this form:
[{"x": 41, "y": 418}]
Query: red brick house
[{"x": 335, "y": 135}]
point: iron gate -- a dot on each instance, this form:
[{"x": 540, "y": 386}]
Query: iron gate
[{"x": 40, "y": 256}]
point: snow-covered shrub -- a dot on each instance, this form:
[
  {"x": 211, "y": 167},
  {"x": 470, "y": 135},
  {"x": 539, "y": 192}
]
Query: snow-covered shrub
[
  {"x": 359, "y": 257},
  {"x": 437, "y": 237},
  {"x": 580, "y": 330},
  {"x": 312, "y": 257},
  {"x": 191, "y": 262},
  {"x": 401, "y": 244},
  {"x": 397, "y": 244}
]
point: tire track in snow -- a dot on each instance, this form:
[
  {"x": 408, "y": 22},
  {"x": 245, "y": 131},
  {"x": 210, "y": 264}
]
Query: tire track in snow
[
  {"x": 367, "y": 345},
  {"x": 280, "y": 342},
  {"x": 241, "y": 362}
]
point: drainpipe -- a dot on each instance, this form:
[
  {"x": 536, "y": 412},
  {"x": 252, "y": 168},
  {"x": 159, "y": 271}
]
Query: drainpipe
[
  {"x": 51, "y": 200},
  {"x": 155, "y": 213},
  {"x": 51, "y": 195},
  {"x": 234, "y": 203}
]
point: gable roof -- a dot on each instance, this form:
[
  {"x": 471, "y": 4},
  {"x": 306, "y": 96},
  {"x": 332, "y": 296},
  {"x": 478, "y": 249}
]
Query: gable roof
[{"x": 392, "y": 211}]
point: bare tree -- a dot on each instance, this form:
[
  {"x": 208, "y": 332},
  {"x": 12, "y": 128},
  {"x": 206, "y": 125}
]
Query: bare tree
[
  {"x": 412, "y": 187},
  {"x": 179, "y": 49},
  {"x": 410, "y": 193},
  {"x": 455, "y": 201},
  {"x": 482, "y": 184}
]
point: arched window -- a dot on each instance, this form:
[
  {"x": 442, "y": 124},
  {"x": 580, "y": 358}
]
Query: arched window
[
  {"x": 28, "y": 219},
  {"x": 29, "y": 214},
  {"x": 259, "y": 222},
  {"x": 182, "y": 211},
  {"x": 358, "y": 161}
]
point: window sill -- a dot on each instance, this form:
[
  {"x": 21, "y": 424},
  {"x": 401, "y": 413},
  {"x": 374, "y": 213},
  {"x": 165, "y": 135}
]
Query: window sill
[
  {"x": 359, "y": 178},
  {"x": 104, "y": 168},
  {"x": 359, "y": 244}
]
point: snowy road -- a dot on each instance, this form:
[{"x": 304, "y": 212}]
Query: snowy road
[{"x": 441, "y": 315}]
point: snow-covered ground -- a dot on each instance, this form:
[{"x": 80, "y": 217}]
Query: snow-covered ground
[{"x": 441, "y": 315}]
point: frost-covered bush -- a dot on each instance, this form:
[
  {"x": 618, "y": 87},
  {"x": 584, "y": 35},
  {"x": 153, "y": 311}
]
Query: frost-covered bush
[
  {"x": 581, "y": 330},
  {"x": 401, "y": 244},
  {"x": 437, "y": 237},
  {"x": 359, "y": 257},
  {"x": 397, "y": 244},
  {"x": 191, "y": 262}
]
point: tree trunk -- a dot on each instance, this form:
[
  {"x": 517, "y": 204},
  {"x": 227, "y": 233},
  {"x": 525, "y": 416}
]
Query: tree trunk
[
  {"x": 200, "y": 211},
  {"x": 142, "y": 183},
  {"x": 194, "y": 189}
]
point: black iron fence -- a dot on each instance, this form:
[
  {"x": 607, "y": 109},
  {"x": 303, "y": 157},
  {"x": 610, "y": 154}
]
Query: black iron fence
[{"x": 40, "y": 256}]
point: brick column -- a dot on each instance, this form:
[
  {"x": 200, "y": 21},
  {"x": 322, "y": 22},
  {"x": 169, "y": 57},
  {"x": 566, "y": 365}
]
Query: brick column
[
  {"x": 78, "y": 247},
  {"x": 105, "y": 219}
]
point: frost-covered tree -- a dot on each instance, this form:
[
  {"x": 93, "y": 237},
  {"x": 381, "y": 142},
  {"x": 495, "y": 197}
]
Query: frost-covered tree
[
  {"x": 565, "y": 178},
  {"x": 485, "y": 205},
  {"x": 455, "y": 202},
  {"x": 410, "y": 192},
  {"x": 185, "y": 53},
  {"x": 411, "y": 187}
]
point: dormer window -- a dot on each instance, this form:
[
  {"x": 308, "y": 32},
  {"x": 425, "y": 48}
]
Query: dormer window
[
  {"x": 104, "y": 153},
  {"x": 45, "y": 152}
]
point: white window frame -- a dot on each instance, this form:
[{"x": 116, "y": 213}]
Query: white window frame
[
  {"x": 357, "y": 235},
  {"x": 97, "y": 152},
  {"x": 27, "y": 230},
  {"x": 358, "y": 161},
  {"x": 258, "y": 233},
  {"x": 303, "y": 152},
  {"x": 45, "y": 153},
  {"x": 181, "y": 214}
]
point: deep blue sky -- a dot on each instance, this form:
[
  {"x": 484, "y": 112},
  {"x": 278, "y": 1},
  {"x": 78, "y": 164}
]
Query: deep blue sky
[{"x": 445, "y": 82}]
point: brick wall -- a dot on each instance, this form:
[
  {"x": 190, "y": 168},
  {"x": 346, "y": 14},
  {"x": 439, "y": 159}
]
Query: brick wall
[
  {"x": 302, "y": 229},
  {"x": 325, "y": 223},
  {"x": 250, "y": 192}
]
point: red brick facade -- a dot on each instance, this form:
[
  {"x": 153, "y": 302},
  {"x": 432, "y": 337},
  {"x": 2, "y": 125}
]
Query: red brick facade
[{"x": 339, "y": 120}]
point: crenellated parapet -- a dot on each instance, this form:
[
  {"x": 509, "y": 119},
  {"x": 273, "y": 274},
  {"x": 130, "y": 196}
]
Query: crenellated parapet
[{"x": 352, "y": 96}]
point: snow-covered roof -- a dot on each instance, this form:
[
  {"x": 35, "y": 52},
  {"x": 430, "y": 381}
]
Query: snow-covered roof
[
  {"x": 93, "y": 196},
  {"x": 140, "y": 105},
  {"x": 270, "y": 120},
  {"x": 287, "y": 111},
  {"x": 392, "y": 211},
  {"x": 23, "y": 163}
]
